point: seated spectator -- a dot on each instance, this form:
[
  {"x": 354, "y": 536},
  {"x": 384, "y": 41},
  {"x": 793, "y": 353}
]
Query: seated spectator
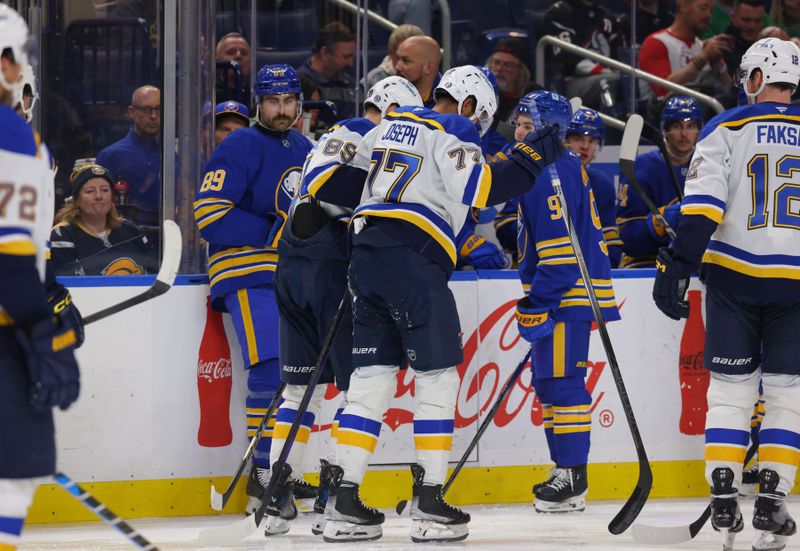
[
  {"x": 586, "y": 24},
  {"x": 332, "y": 54},
  {"x": 747, "y": 23},
  {"x": 677, "y": 54},
  {"x": 228, "y": 117},
  {"x": 414, "y": 12},
  {"x": 418, "y": 60},
  {"x": 386, "y": 68},
  {"x": 136, "y": 158},
  {"x": 785, "y": 14},
  {"x": 235, "y": 48},
  {"x": 90, "y": 237},
  {"x": 651, "y": 16},
  {"x": 721, "y": 15},
  {"x": 509, "y": 64}
]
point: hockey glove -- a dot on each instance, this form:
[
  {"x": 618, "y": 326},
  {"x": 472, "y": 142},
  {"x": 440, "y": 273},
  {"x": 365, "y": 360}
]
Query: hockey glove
[
  {"x": 534, "y": 323},
  {"x": 482, "y": 254},
  {"x": 669, "y": 288},
  {"x": 672, "y": 214},
  {"x": 538, "y": 149},
  {"x": 60, "y": 301},
  {"x": 49, "y": 354}
]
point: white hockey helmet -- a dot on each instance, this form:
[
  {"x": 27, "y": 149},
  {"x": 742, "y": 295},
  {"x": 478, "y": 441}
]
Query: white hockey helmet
[
  {"x": 390, "y": 91},
  {"x": 778, "y": 60},
  {"x": 14, "y": 36},
  {"x": 27, "y": 87},
  {"x": 465, "y": 81}
]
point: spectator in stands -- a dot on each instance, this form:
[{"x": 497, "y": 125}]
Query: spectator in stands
[
  {"x": 509, "y": 64},
  {"x": 332, "y": 54},
  {"x": 386, "y": 68},
  {"x": 586, "y": 24},
  {"x": 721, "y": 16},
  {"x": 747, "y": 23},
  {"x": 234, "y": 47},
  {"x": 785, "y": 14},
  {"x": 414, "y": 12},
  {"x": 677, "y": 54},
  {"x": 229, "y": 116},
  {"x": 90, "y": 237},
  {"x": 310, "y": 116},
  {"x": 136, "y": 158},
  {"x": 418, "y": 60},
  {"x": 651, "y": 16}
]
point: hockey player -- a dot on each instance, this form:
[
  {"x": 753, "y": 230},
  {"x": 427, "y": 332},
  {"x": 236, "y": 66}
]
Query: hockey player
[
  {"x": 425, "y": 171},
  {"x": 555, "y": 315},
  {"x": 641, "y": 233},
  {"x": 242, "y": 202},
  {"x": 585, "y": 138},
  {"x": 740, "y": 219},
  {"x": 37, "y": 363},
  {"x": 313, "y": 255}
]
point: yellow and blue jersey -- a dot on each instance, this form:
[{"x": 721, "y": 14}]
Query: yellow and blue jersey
[
  {"x": 547, "y": 264},
  {"x": 246, "y": 190},
  {"x": 606, "y": 200}
]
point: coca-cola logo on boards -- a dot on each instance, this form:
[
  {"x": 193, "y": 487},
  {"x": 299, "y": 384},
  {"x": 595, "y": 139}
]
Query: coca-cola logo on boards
[
  {"x": 215, "y": 370},
  {"x": 692, "y": 361},
  {"x": 499, "y": 330}
]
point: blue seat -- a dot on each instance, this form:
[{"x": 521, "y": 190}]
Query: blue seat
[
  {"x": 465, "y": 40},
  {"x": 282, "y": 29},
  {"x": 294, "y": 58}
]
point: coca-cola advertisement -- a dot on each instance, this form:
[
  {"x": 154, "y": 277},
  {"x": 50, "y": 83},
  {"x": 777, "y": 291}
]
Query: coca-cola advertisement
[{"x": 214, "y": 381}]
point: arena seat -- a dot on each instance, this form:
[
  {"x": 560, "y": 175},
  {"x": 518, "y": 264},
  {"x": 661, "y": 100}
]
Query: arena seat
[{"x": 284, "y": 30}]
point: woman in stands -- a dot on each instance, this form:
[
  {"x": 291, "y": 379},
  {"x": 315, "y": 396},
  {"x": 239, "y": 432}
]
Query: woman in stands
[{"x": 90, "y": 236}]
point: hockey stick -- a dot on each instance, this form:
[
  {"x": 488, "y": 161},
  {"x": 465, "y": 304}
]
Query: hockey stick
[
  {"x": 644, "y": 484},
  {"x": 219, "y": 500},
  {"x": 88, "y": 501},
  {"x": 627, "y": 158},
  {"x": 672, "y": 535},
  {"x": 164, "y": 280},
  {"x": 230, "y": 534},
  {"x": 652, "y": 135},
  {"x": 512, "y": 379}
]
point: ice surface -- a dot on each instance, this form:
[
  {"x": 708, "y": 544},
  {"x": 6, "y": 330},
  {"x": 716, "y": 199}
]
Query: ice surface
[{"x": 501, "y": 527}]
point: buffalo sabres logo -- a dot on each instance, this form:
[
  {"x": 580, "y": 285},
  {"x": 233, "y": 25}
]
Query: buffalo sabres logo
[
  {"x": 122, "y": 266},
  {"x": 290, "y": 182},
  {"x": 231, "y": 106}
]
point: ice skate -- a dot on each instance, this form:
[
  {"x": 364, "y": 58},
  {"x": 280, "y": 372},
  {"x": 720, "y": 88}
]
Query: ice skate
[
  {"x": 305, "y": 494},
  {"x": 726, "y": 518},
  {"x": 318, "y": 526},
  {"x": 565, "y": 492},
  {"x": 281, "y": 510},
  {"x": 346, "y": 516},
  {"x": 256, "y": 482},
  {"x": 548, "y": 478},
  {"x": 432, "y": 518},
  {"x": 771, "y": 519}
]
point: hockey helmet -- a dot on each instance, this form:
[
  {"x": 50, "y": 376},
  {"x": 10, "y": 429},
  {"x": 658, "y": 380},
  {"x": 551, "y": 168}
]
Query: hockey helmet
[
  {"x": 273, "y": 80},
  {"x": 681, "y": 108},
  {"x": 394, "y": 90},
  {"x": 465, "y": 81},
  {"x": 587, "y": 122},
  {"x": 27, "y": 87},
  {"x": 778, "y": 60},
  {"x": 552, "y": 109},
  {"x": 14, "y": 36}
]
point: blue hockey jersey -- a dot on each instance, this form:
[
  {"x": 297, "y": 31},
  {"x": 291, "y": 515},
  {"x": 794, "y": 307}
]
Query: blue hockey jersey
[
  {"x": 547, "y": 264},
  {"x": 606, "y": 200},
  {"x": 639, "y": 242},
  {"x": 247, "y": 189}
]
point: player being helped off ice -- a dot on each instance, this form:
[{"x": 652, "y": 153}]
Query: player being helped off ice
[
  {"x": 740, "y": 218},
  {"x": 555, "y": 316},
  {"x": 311, "y": 278},
  {"x": 423, "y": 170}
]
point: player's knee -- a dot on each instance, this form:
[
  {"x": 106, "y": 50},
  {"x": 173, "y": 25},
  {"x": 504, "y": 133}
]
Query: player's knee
[
  {"x": 293, "y": 395},
  {"x": 436, "y": 392},
  {"x": 737, "y": 391},
  {"x": 780, "y": 393},
  {"x": 264, "y": 377},
  {"x": 564, "y": 391},
  {"x": 370, "y": 390}
]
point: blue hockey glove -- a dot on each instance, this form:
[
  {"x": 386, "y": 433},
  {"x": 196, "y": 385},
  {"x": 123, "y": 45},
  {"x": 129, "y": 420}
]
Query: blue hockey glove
[
  {"x": 482, "y": 254},
  {"x": 672, "y": 214},
  {"x": 49, "y": 354},
  {"x": 60, "y": 301},
  {"x": 669, "y": 288},
  {"x": 538, "y": 149},
  {"x": 534, "y": 324}
]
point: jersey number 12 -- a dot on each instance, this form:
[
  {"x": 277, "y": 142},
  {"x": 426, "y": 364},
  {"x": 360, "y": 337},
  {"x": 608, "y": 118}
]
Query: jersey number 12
[{"x": 786, "y": 198}]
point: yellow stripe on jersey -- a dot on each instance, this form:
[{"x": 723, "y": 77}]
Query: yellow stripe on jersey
[
  {"x": 433, "y": 443},
  {"x": 21, "y": 247},
  {"x": 734, "y": 454},
  {"x": 247, "y": 319},
  {"x": 5, "y": 318},
  {"x": 417, "y": 118},
  {"x": 418, "y": 220},
  {"x": 559, "y": 347},
  {"x": 772, "y": 117},
  {"x": 322, "y": 179},
  {"x": 557, "y": 251},
  {"x": 356, "y": 439},
  {"x": 711, "y": 212},
  {"x": 772, "y": 271},
  {"x": 558, "y": 241},
  {"x": 216, "y": 267},
  {"x": 778, "y": 454},
  {"x": 484, "y": 186}
]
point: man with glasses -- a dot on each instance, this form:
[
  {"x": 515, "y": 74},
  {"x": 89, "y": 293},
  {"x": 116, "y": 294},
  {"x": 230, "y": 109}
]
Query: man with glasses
[
  {"x": 509, "y": 64},
  {"x": 136, "y": 158}
]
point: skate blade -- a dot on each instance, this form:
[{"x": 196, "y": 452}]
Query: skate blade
[
  {"x": 571, "y": 505},
  {"x": 423, "y": 531},
  {"x": 342, "y": 531},
  {"x": 767, "y": 541},
  {"x": 318, "y": 526}
]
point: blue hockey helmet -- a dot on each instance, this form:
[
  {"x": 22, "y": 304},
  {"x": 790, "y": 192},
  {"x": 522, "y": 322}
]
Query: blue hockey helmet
[
  {"x": 553, "y": 109},
  {"x": 277, "y": 79},
  {"x": 681, "y": 108},
  {"x": 587, "y": 122},
  {"x": 492, "y": 80}
]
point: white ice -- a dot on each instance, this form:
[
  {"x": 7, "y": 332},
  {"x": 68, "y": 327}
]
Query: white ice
[{"x": 498, "y": 527}]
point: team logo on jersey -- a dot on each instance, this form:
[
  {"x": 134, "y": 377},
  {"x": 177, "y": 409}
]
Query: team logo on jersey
[
  {"x": 781, "y": 109},
  {"x": 692, "y": 172},
  {"x": 290, "y": 182},
  {"x": 123, "y": 266}
]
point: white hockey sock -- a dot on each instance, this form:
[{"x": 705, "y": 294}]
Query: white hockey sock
[
  {"x": 436, "y": 393},
  {"x": 292, "y": 395},
  {"x": 779, "y": 448}
]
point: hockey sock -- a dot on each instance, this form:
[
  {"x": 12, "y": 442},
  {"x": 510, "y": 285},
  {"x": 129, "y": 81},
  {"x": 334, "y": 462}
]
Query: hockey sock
[
  {"x": 15, "y": 498},
  {"x": 334, "y": 435},
  {"x": 547, "y": 421},
  {"x": 436, "y": 393},
  {"x": 757, "y": 417},
  {"x": 779, "y": 446},
  {"x": 569, "y": 405},
  {"x": 371, "y": 388},
  {"x": 255, "y": 408},
  {"x": 286, "y": 415}
]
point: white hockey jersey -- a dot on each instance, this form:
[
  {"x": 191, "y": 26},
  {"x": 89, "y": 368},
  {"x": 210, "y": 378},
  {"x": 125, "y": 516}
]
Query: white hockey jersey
[{"x": 745, "y": 176}]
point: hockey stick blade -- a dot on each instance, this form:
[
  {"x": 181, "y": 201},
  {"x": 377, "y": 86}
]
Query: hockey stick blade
[
  {"x": 219, "y": 500},
  {"x": 623, "y": 520},
  {"x": 229, "y": 534},
  {"x": 575, "y": 103},
  {"x": 105, "y": 514},
  {"x": 164, "y": 280}
]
